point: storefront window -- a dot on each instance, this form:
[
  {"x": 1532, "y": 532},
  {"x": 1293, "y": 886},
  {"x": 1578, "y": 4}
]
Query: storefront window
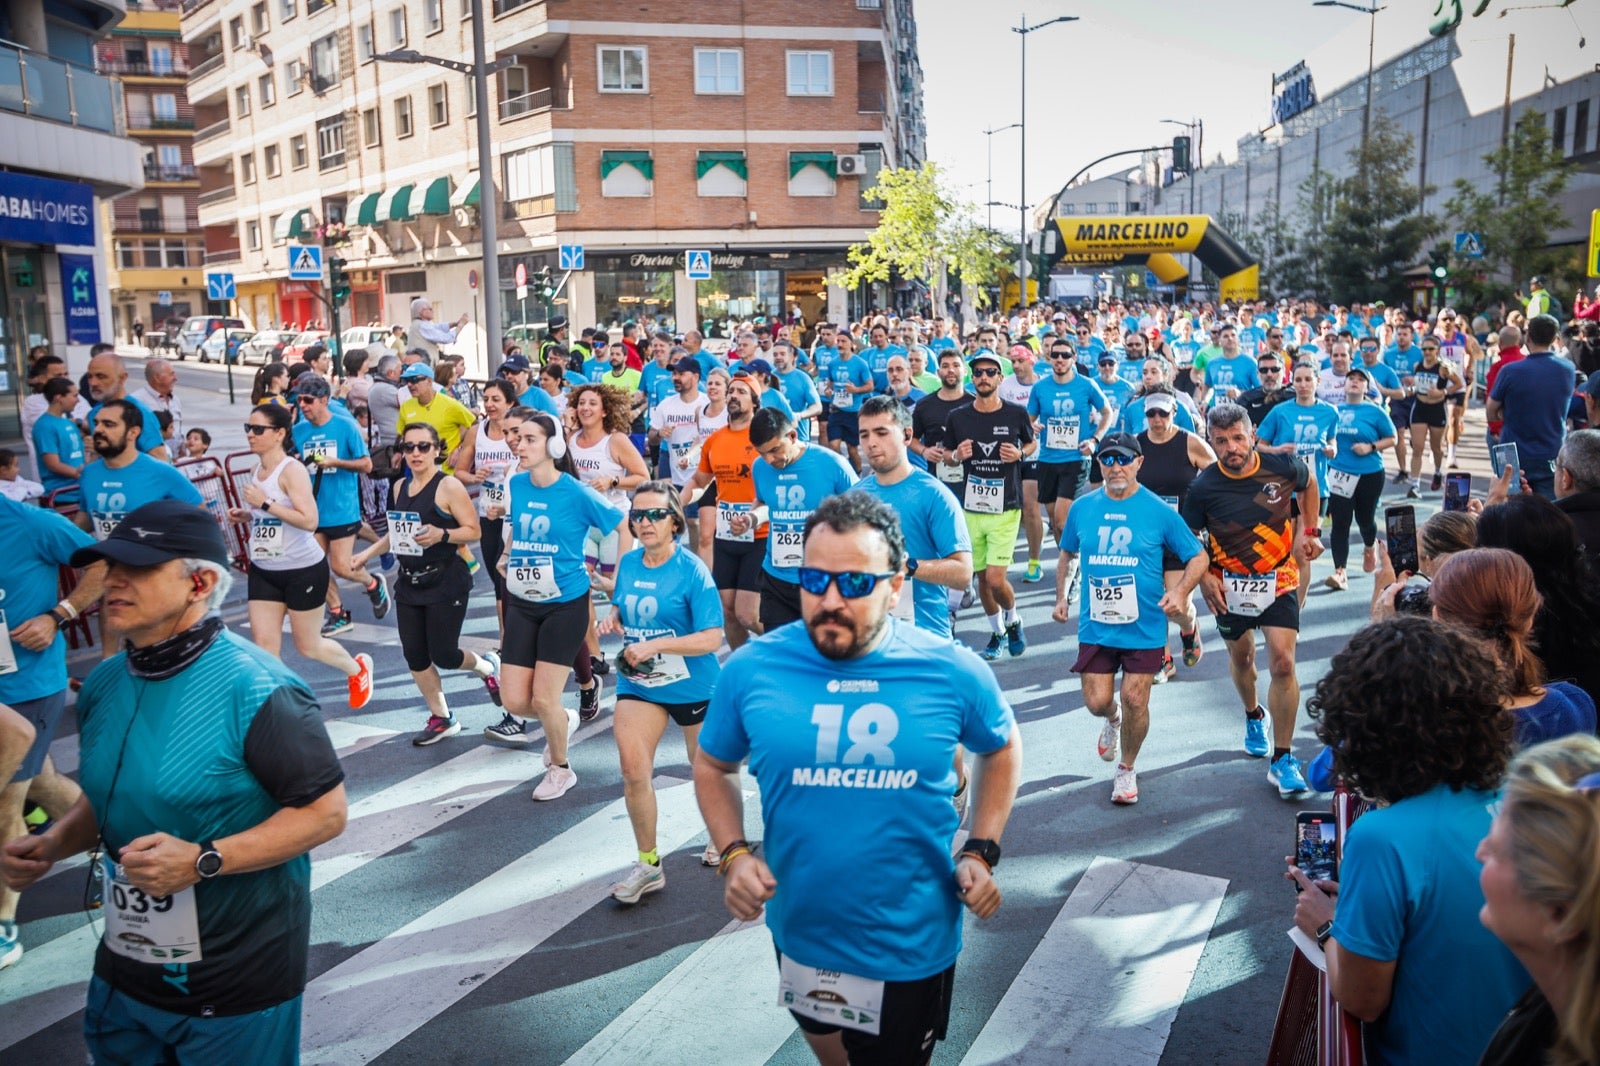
[
  {"x": 735, "y": 296},
  {"x": 641, "y": 296}
]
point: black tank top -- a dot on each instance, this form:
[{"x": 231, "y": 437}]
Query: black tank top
[
  {"x": 1167, "y": 470},
  {"x": 425, "y": 505}
]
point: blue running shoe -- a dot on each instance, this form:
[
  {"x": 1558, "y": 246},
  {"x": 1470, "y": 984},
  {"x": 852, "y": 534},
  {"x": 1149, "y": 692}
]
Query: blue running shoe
[
  {"x": 10, "y": 944},
  {"x": 1255, "y": 736},
  {"x": 1287, "y": 774},
  {"x": 1016, "y": 643},
  {"x": 991, "y": 651}
]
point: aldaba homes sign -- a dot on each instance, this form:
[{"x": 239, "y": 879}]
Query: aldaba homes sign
[{"x": 45, "y": 211}]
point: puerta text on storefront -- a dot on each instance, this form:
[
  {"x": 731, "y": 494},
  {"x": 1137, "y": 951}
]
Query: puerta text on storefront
[{"x": 39, "y": 210}]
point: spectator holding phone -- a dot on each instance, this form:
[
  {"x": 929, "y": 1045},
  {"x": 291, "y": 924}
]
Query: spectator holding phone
[
  {"x": 1412, "y": 710},
  {"x": 1542, "y": 899}
]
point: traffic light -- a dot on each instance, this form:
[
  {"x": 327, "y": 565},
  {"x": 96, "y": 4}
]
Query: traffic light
[
  {"x": 338, "y": 281},
  {"x": 1441, "y": 265},
  {"x": 545, "y": 284},
  {"x": 1180, "y": 154}
]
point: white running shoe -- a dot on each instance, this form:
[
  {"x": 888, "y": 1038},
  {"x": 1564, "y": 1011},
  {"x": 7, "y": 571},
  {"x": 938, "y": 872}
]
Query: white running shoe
[
  {"x": 557, "y": 782},
  {"x": 1125, "y": 787},
  {"x": 1110, "y": 738},
  {"x": 642, "y": 880},
  {"x": 711, "y": 856}
]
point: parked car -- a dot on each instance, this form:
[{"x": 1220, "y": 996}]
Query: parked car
[
  {"x": 197, "y": 330},
  {"x": 295, "y": 350},
  {"x": 210, "y": 350},
  {"x": 264, "y": 347},
  {"x": 369, "y": 337}
]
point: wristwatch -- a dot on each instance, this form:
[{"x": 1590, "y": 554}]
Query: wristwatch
[
  {"x": 209, "y": 864},
  {"x": 911, "y": 568},
  {"x": 986, "y": 850},
  {"x": 1324, "y": 931}
]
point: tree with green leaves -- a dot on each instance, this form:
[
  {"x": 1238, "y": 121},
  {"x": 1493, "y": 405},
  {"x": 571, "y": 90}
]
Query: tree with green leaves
[
  {"x": 1514, "y": 215},
  {"x": 923, "y": 231},
  {"x": 1374, "y": 227}
]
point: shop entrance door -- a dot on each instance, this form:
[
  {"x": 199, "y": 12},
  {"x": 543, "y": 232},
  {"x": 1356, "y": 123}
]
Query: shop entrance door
[{"x": 24, "y": 326}]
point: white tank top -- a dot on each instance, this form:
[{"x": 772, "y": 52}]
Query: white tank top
[
  {"x": 710, "y": 423},
  {"x": 596, "y": 462},
  {"x": 274, "y": 543},
  {"x": 495, "y": 458}
]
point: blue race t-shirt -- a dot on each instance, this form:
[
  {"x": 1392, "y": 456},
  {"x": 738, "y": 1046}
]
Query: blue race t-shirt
[
  {"x": 939, "y": 344},
  {"x": 855, "y": 759},
  {"x": 775, "y": 398},
  {"x": 675, "y": 599},
  {"x": 878, "y": 361},
  {"x": 149, "y": 432},
  {"x": 1535, "y": 390},
  {"x": 791, "y": 494},
  {"x": 39, "y": 542},
  {"x": 851, "y": 371},
  {"x": 1117, "y": 394},
  {"x": 822, "y": 358},
  {"x": 1065, "y": 412},
  {"x": 934, "y": 528},
  {"x": 801, "y": 392},
  {"x": 338, "y": 492},
  {"x": 109, "y": 494},
  {"x": 545, "y": 530},
  {"x": 1381, "y": 375},
  {"x": 57, "y": 436},
  {"x": 1119, "y": 544},
  {"x": 1236, "y": 373},
  {"x": 708, "y": 363},
  {"x": 1309, "y": 427},
  {"x": 655, "y": 381},
  {"x": 536, "y": 398},
  {"x": 1408, "y": 893},
  {"x": 1364, "y": 423},
  {"x": 1401, "y": 360},
  {"x": 596, "y": 369}
]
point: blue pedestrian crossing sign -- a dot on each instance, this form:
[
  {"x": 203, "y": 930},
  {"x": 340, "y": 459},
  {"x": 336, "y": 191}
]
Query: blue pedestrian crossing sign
[
  {"x": 1469, "y": 245},
  {"x": 221, "y": 287},
  {"x": 569, "y": 257},
  {"x": 699, "y": 264},
  {"x": 305, "y": 262},
  {"x": 1150, "y": 279}
]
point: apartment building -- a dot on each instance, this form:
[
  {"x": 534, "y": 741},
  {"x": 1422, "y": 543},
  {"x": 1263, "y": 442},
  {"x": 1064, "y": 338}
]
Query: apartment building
[
  {"x": 637, "y": 131},
  {"x": 157, "y": 266},
  {"x": 62, "y": 150}
]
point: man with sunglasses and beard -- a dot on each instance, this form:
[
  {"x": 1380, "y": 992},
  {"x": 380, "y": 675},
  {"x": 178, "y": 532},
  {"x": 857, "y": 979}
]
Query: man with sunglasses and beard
[{"x": 850, "y": 722}]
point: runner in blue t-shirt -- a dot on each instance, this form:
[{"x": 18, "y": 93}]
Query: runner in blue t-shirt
[
  {"x": 1232, "y": 372},
  {"x": 796, "y": 387},
  {"x": 1116, "y": 391},
  {"x": 1071, "y": 414},
  {"x": 57, "y": 441},
  {"x": 850, "y": 723},
  {"x": 1354, "y": 477},
  {"x": 850, "y": 381},
  {"x": 877, "y": 355},
  {"x": 1119, "y": 534},
  {"x": 125, "y": 479},
  {"x": 667, "y": 609}
]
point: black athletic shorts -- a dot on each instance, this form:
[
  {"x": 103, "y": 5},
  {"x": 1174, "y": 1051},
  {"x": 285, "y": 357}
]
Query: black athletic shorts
[
  {"x": 1030, "y": 470},
  {"x": 736, "y": 564},
  {"x": 780, "y": 602},
  {"x": 1283, "y": 614},
  {"x": 1428, "y": 414},
  {"x": 544, "y": 632},
  {"x": 1059, "y": 481},
  {"x": 304, "y": 588},
  {"x": 685, "y": 714},
  {"x": 916, "y": 1015},
  {"x": 334, "y": 533}
]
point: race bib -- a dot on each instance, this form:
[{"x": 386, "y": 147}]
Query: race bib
[
  {"x": 949, "y": 473},
  {"x": 1061, "y": 434},
  {"x": 685, "y": 455},
  {"x": 725, "y": 513},
  {"x": 1113, "y": 600},
  {"x": 317, "y": 451},
  {"x": 403, "y": 529},
  {"x": 831, "y": 997},
  {"x": 105, "y": 523},
  {"x": 266, "y": 538},
  {"x": 148, "y": 928},
  {"x": 532, "y": 577},
  {"x": 8, "y": 654},
  {"x": 660, "y": 670},
  {"x": 1170, "y": 501},
  {"x": 1425, "y": 383},
  {"x": 1342, "y": 484},
  {"x": 906, "y": 608},
  {"x": 494, "y": 494},
  {"x": 985, "y": 495},
  {"x": 1249, "y": 595},
  {"x": 788, "y": 547}
]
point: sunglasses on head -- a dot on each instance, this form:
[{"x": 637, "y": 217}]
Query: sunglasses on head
[
  {"x": 1119, "y": 458},
  {"x": 649, "y": 514},
  {"x": 423, "y": 446},
  {"x": 853, "y": 584}
]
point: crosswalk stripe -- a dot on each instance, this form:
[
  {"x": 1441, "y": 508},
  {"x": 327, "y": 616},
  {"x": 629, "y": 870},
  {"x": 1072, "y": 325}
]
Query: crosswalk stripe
[
  {"x": 723, "y": 975},
  {"x": 379, "y": 996},
  {"x": 1126, "y": 944},
  {"x": 348, "y": 738}
]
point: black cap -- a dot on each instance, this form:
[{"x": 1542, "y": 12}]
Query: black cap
[
  {"x": 687, "y": 365},
  {"x": 157, "y": 533},
  {"x": 1119, "y": 444},
  {"x": 557, "y": 322}
]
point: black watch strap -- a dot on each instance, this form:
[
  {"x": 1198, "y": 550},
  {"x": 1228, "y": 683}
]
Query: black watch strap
[
  {"x": 988, "y": 851},
  {"x": 911, "y": 567},
  {"x": 1324, "y": 931},
  {"x": 209, "y": 862}
]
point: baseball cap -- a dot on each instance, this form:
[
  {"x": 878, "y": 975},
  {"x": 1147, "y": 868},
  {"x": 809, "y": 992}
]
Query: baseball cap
[
  {"x": 1159, "y": 401},
  {"x": 687, "y": 365},
  {"x": 985, "y": 356},
  {"x": 1537, "y": 279},
  {"x": 515, "y": 364},
  {"x": 1153, "y": 331},
  {"x": 1059, "y": 316},
  {"x": 557, "y": 322},
  {"x": 417, "y": 370},
  {"x": 157, "y": 533},
  {"x": 1107, "y": 357},
  {"x": 753, "y": 366},
  {"x": 1360, "y": 371},
  {"x": 1119, "y": 444}
]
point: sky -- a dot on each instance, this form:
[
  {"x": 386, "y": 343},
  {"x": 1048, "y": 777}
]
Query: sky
[{"x": 1106, "y": 82}]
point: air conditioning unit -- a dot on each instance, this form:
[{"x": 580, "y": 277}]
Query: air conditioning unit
[
  {"x": 852, "y": 164},
  {"x": 466, "y": 216}
]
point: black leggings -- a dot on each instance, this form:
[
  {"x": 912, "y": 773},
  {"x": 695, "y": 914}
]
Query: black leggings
[
  {"x": 492, "y": 540},
  {"x": 430, "y": 634},
  {"x": 1363, "y": 504}
]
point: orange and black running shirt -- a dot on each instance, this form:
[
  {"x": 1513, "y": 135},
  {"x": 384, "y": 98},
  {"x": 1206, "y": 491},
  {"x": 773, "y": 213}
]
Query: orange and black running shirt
[
  {"x": 729, "y": 457},
  {"x": 1247, "y": 518}
]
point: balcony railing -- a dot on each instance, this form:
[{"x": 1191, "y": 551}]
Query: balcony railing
[
  {"x": 157, "y": 225},
  {"x": 206, "y": 66},
  {"x": 173, "y": 68},
  {"x": 168, "y": 124},
  {"x": 216, "y": 129},
  {"x": 501, "y": 7},
  {"x": 223, "y": 255},
  {"x": 530, "y": 103},
  {"x": 36, "y": 85},
  {"x": 191, "y": 6},
  {"x": 217, "y": 196},
  {"x": 168, "y": 172}
]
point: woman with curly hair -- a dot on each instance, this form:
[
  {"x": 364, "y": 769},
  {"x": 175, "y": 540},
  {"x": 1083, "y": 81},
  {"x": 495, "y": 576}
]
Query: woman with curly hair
[
  {"x": 1542, "y": 898},
  {"x": 1566, "y": 632},
  {"x": 1414, "y": 713}
]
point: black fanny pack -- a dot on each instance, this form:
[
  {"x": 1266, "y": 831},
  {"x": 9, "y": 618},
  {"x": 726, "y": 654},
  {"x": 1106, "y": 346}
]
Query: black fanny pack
[{"x": 425, "y": 577}]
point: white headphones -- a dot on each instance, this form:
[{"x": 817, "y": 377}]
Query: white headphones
[{"x": 556, "y": 445}]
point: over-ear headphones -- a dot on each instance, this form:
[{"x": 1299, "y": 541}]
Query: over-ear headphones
[{"x": 556, "y": 445}]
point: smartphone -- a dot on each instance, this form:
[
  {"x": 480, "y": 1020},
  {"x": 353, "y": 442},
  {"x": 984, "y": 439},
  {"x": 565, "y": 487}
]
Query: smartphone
[
  {"x": 1316, "y": 845},
  {"x": 1400, "y": 532},
  {"x": 1503, "y": 454},
  {"x": 1458, "y": 490}
]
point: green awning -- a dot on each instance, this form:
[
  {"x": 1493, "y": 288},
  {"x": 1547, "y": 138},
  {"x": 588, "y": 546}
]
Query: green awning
[
  {"x": 436, "y": 197},
  {"x": 466, "y": 195},
  {"x": 828, "y": 161},
  {"x": 292, "y": 224},
  {"x": 641, "y": 161},
  {"x": 394, "y": 205},
  {"x": 363, "y": 210},
  {"x": 734, "y": 161}
]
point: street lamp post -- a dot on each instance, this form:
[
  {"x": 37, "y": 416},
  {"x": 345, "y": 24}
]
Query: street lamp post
[
  {"x": 488, "y": 209},
  {"x": 1022, "y": 29},
  {"x": 1372, "y": 36},
  {"x": 990, "y": 135}
]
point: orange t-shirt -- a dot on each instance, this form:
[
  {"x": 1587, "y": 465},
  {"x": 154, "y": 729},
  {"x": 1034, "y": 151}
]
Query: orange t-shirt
[{"x": 728, "y": 456}]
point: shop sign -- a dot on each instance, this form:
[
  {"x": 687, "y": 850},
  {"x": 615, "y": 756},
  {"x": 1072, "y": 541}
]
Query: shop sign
[{"x": 45, "y": 211}]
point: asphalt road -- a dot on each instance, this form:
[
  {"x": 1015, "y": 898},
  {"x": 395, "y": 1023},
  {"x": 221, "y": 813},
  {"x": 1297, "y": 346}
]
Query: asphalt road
[{"x": 458, "y": 919}]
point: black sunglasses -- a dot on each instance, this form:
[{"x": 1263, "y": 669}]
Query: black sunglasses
[
  {"x": 985, "y": 372},
  {"x": 853, "y": 584},
  {"x": 423, "y": 446},
  {"x": 649, "y": 514},
  {"x": 255, "y": 430}
]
